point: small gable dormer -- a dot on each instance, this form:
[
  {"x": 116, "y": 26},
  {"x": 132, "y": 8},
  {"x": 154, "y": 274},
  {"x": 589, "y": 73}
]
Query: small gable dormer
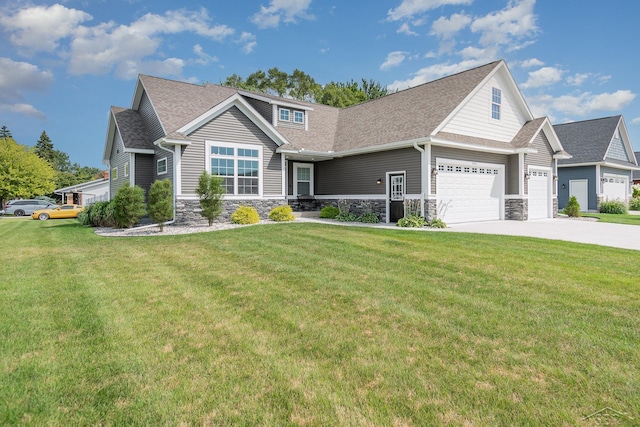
[{"x": 617, "y": 149}]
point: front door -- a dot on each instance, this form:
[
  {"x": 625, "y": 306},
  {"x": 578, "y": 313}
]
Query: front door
[{"x": 396, "y": 197}]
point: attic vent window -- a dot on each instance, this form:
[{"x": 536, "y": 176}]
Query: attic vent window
[{"x": 496, "y": 102}]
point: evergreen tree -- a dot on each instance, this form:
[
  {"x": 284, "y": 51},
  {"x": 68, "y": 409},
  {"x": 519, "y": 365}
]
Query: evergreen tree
[
  {"x": 5, "y": 132},
  {"x": 161, "y": 202},
  {"x": 44, "y": 148},
  {"x": 210, "y": 191},
  {"x": 129, "y": 205}
]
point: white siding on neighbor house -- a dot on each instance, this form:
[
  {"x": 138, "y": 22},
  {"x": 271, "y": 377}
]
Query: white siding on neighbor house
[
  {"x": 232, "y": 126},
  {"x": 474, "y": 119}
]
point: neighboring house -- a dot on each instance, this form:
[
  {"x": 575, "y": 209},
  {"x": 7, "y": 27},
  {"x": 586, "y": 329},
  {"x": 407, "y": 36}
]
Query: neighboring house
[
  {"x": 85, "y": 193},
  {"x": 463, "y": 148},
  {"x": 636, "y": 173},
  {"x": 602, "y": 162}
]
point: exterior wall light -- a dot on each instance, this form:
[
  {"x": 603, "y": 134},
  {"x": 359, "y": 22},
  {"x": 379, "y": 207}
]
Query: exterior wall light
[
  {"x": 434, "y": 171},
  {"x": 527, "y": 176}
]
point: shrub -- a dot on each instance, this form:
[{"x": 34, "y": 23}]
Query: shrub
[
  {"x": 613, "y": 207},
  {"x": 245, "y": 215},
  {"x": 210, "y": 192},
  {"x": 281, "y": 214},
  {"x": 634, "y": 204},
  {"x": 98, "y": 214},
  {"x": 370, "y": 218},
  {"x": 329, "y": 212},
  {"x": 436, "y": 223},
  {"x": 573, "y": 207},
  {"x": 161, "y": 202},
  {"x": 129, "y": 205},
  {"x": 636, "y": 191},
  {"x": 412, "y": 221},
  {"x": 345, "y": 216}
]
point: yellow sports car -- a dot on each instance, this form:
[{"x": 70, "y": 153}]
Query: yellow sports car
[{"x": 64, "y": 211}]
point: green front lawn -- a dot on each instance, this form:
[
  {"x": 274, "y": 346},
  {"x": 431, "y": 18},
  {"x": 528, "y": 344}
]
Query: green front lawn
[
  {"x": 313, "y": 324},
  {"x": 615, "y": 218}
]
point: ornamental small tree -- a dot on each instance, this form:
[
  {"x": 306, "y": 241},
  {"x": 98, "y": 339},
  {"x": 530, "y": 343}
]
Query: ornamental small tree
[
  {"x": 573, "y": 207},
  {"x": 161, "y": 202},
  {"x": 129, "y": 206},
  {"x": 210, "y": 191}
]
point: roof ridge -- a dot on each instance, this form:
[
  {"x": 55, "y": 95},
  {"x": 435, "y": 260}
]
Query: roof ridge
[{"x": 589, "y": 120}]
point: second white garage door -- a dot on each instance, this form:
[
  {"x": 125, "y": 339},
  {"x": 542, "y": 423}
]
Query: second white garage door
[
  {"x": 469, "y": 192},
  {"x": 614, "y": 187},
  {"x": 538, "y": 185}
]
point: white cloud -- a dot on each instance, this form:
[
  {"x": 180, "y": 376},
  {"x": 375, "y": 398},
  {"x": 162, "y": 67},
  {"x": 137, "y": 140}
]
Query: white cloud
[
  {"x": 40, "y": 28},
  {"x": 203, "y": 57},
  {"x": 543, "y": 77},
  {"x": 99, "y": 49},
  {"x": 17, "y": 78},
  {"x": 408, "y": 8},
  {"x": 504, "y": 27},
  {"x": 636, "y": 121},
  {"x": 433, "y": 72},
  {"x": 581, "y": 104},
  {"x": 281, "y": 10},
  {"x": 446, "y": 28},
  {"x": 406, "y": 29},
  {"x": 393, "y": 59},
  {"x": 249, "y": 42},
  {"x": 578, "y": 79},
  {"x": 528, "y": 63}
]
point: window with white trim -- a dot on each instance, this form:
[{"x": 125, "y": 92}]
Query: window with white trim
[
  {"x": 161, "y": 166},
  {"x": 114, "y": 173},
  {"x": 239, "y": 165},
  {"x": 284, "y": 114},
  {"x": 126, "y": 169},
  {"x": 496, "y": 102},
  {"x": 303, "y": 179},
  {"x": 298, "y": 117}
]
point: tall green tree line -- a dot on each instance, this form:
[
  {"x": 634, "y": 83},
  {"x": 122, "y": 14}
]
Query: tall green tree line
[{"x": 301, "y": 86}]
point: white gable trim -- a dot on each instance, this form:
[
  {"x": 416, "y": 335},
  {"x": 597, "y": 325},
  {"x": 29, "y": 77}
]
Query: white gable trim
[
  {"x": 235, "y": 101},
  {"x": 111, "y": 133},
  {"x": 501, "y": 67},
  {"x": 626, "y": 141},
  {"x": 282, "y": 102}
]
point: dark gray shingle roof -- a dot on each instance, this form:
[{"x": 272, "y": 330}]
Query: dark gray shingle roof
[
  {"x": 587, "y": 141},
  {"x": 131, "y": 128}
]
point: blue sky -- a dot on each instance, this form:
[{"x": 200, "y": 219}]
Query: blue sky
[{"x": 62, "y": 65}]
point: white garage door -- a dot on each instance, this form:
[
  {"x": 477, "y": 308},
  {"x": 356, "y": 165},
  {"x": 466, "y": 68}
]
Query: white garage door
[
  {"x": 538, "y": 194},
  {"x": 469, "y": 192},
  {"x": 615, "y": 187}
]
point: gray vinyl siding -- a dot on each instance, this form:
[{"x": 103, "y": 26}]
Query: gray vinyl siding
[
  {"x": 144, "y": 171},
  {"x": 149, "y": 118},
  {"x": 161, "y": 154},
  {"x": 581, "y": 172},
  {"x": 232, "y": 126},
  {"x": 544, "y": 156},
  {"x": 471, "y": 156},
  {"x": 358, "y": 174},
  {"x": 265, "y": 109},
  {"x": 512, "y": 174},
  {"x": 117, "y": 159}
]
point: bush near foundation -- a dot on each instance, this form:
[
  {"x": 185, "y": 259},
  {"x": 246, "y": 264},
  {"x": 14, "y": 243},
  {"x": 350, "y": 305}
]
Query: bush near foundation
[
  {"x": 329, "y": 212},
  {"x": 245, "y": 215},
  {"x": 613, "y": 207},
  {"x": 281, "y": 214},
  {"x": 573, "y": 207}
]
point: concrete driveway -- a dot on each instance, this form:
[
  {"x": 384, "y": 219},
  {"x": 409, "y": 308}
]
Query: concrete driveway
[{"x": 581, "y": 231}]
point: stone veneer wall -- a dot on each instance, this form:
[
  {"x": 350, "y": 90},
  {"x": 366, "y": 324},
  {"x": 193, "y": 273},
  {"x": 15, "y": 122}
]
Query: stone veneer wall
[
  {"x": 516, "y": 209},
  {"x": 555, "y": 207},
  {"x": 355, "y": 206},
  {"x": 188, "y": 211},
  {"x": 430, "y": 209}
]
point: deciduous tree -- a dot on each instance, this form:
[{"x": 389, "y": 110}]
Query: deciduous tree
[{"x": 22, "y": 173}]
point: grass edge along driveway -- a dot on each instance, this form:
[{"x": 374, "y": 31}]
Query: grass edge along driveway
[{"x": 313, "y": 324}]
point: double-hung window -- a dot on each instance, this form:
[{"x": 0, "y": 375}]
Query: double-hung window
[
  {"x": 496, "y": 103},
  {"x": 239, "y": 165}
]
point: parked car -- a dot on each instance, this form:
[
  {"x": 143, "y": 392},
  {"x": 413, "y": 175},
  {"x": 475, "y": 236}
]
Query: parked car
[
  {"x": 64, "y": 211},
  {"x": 26, "y": 207}
]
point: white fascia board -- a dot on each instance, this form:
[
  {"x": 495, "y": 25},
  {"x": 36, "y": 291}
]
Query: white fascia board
[
  {"x": 551, "y": 135},
  {"x": 382, "y": 147},
  {"x": 622, "y": 126},
  {"x": 139, "y": 150},
  {"x": 171, "y": 141},
  {"x": 473, "y": 147},
  {"x": 280, "y": 101},
  {"x": 235, "y": 101},
  {"x": 108, "y": 143},
  {"x": 605, "y": 164},
  {"x": 84, "y": 185}
]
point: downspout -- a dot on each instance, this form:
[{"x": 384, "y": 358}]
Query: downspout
[
  {"x": 423, "y": 177},
  {"x": 159, "y": 145}
]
